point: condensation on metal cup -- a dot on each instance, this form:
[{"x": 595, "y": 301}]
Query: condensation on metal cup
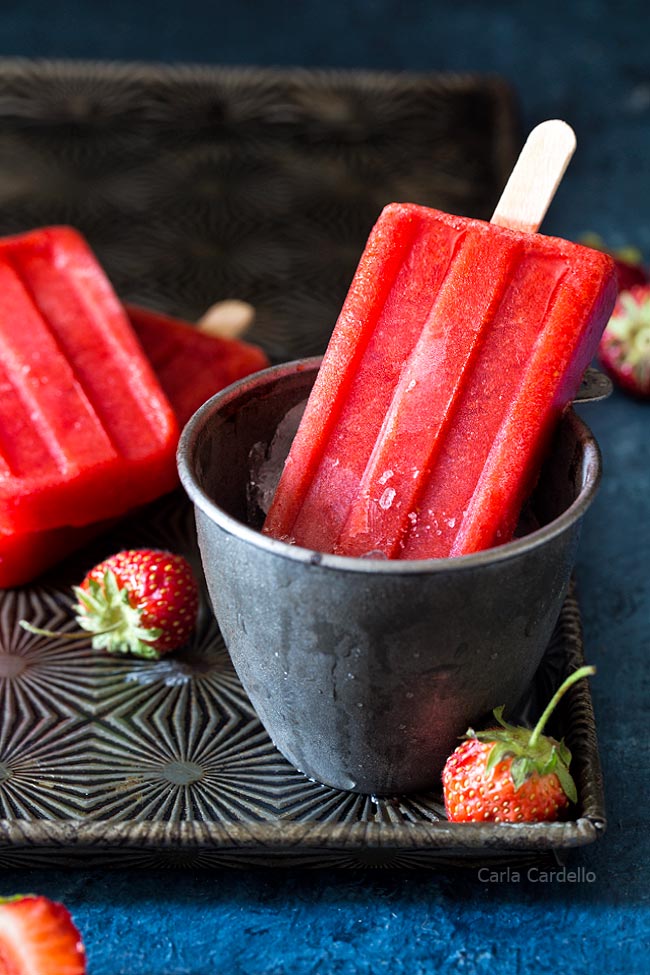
[{"x": 365, "y": 672}]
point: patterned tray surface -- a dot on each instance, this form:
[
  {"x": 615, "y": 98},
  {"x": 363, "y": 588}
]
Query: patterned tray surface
[
  {"x": 195, "y": 185},
  {"x": 129, "y": 760}
]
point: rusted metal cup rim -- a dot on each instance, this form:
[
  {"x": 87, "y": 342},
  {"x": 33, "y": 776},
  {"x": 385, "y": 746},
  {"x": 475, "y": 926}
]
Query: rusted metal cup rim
[{"x": 591, "y": 468}]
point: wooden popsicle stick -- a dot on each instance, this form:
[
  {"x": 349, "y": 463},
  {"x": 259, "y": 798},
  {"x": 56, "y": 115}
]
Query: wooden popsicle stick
[
  {"x": 229, "y": 319},
  {"x": 536, "y": 176}
]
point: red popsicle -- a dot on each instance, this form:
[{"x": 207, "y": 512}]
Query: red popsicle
[
  {"x": 459, "y": 345},
  {"x": 190, "y": 367},
  {"x": 86, "y": 432}
]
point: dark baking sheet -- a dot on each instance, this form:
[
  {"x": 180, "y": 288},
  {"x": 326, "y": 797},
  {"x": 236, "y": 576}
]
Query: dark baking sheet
[
  {"x": 197, "y": 184},
  {"x": 116, "y": 760},
  {"x": 193, "y": 185}
]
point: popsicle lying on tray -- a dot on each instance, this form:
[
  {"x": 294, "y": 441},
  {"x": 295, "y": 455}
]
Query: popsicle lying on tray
[
  {"x": 458, "y": 346},
  {"x": 190, "y": 367},
  {"x": 86, "y": 431}
]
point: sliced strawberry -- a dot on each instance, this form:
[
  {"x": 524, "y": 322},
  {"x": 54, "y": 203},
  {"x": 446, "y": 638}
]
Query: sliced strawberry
[
  {"x": 38, "y": 937},
  {"x": 624, "y": 348}
]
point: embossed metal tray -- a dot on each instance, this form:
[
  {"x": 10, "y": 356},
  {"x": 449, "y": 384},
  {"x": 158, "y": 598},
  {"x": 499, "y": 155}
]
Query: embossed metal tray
[
  {"x": 123, "y": 761},
  {"x": 196, "y": 184}
]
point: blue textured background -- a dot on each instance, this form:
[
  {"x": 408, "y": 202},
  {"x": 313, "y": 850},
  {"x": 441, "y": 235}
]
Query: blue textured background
[{"x": 576, "y": 60}]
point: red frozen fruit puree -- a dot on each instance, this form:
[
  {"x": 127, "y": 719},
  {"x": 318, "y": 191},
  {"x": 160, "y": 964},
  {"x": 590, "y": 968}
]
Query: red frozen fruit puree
[
  {"x": 458, "y": 346},
  {"x": 24, "y": 555},
  {"x": 86, "y": 432},
  {"x": 190, "y": 367}
]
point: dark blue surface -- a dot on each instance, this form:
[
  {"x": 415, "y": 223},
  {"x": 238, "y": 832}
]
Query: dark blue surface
[{"x": 581, "y": 62}]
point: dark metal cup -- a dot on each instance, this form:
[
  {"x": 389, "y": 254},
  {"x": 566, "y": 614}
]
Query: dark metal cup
[{"x": 365, "y": 672}]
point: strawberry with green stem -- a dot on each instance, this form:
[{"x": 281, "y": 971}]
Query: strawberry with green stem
[
  {"x": 511, "y": 774},
  {"x": 139, "y": 601}
]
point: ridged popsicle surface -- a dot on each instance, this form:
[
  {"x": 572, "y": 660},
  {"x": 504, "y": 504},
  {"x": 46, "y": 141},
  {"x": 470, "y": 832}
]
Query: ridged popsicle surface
[
  {"x": 458, "y": 347},
  {"x": 86, "y": 431}
]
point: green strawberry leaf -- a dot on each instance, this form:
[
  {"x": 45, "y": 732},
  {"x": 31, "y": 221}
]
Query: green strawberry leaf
[
  {"x": 566, "y": 781},
  {"x": 501, "y": 750},
  {"x": 498, "y": 714},
  {"x": 495, "y": 734},
  {"x": 564, "y": 753},
  {"x": 551, "y": 762},
  {"x": 521, "y": 769}
]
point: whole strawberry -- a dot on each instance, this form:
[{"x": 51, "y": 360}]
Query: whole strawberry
[
  {"x": 624, "y": 348},
  {"x": 139, "y": 601},
  {"x": 38, "y": 937},
  {"x": 511, "y": 774}
]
